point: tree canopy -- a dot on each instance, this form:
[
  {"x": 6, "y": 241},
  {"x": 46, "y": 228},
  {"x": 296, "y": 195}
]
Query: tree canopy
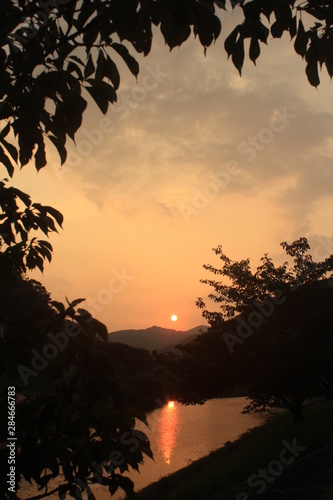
[
  {"x": 271, "y": 333},
  {"x": 76, "y": 402},
  {"x": 53, "y": 54}
]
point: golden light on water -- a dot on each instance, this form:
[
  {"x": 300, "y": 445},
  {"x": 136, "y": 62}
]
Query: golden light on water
[{"x": 168, "y": 430}]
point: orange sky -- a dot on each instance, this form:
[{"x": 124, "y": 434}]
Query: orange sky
[{"x": 191, "y": 157}]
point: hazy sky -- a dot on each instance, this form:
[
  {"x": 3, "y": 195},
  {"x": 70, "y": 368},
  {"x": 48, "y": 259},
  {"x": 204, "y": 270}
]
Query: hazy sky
[{"x": 191, "y": 157}]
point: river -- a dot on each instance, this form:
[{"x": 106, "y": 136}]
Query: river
[{"x": 181, "y": 434}]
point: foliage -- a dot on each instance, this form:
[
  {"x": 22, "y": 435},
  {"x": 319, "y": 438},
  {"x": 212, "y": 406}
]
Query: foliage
[
  {"x": 18, "y": 253},
  {"x": 75, "y": 413},
  {"x": 54, "y": 54},
  {"x": 272, "y": 329}
]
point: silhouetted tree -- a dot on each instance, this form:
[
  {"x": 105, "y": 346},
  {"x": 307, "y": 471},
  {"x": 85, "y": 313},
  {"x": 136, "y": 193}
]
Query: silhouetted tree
[
  {"x": 74, "y": 415},
  {"x": 272, "y": 329}
]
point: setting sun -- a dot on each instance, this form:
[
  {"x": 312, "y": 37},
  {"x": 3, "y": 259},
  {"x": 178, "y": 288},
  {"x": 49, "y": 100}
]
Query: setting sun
[
  {"x": 174, "y": 317},
  {"x": 171, "y": 404}
]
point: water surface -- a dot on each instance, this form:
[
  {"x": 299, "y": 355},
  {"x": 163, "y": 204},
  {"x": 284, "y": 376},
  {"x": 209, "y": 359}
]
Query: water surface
[{"x": 179, "y": 435}]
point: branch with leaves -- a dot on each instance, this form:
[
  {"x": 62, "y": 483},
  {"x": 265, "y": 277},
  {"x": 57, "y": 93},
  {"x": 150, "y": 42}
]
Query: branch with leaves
[
  {"x": 18, "y": 252},
  {"x": 54, "y": 54}
]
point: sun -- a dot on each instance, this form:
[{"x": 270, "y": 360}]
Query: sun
[{"x": 174, "y": 317}]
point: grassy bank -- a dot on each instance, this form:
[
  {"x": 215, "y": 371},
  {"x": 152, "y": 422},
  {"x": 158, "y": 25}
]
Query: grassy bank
[{"x": 228, "y": 468}]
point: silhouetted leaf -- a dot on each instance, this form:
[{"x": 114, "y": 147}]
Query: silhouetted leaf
[
  {"x": 40, "y": 156},
  {"x": 238, "y": 55},
  {"x": 55, "y": 214},
  {"x": 75, "y": 302},
  {"x": 230, "y": 42},
  {"x": 100, "y": 99},
  {"x": 293, "y": 27},
  {"x": 23, "y": 196},
  {"x": 131, "y": 63},
  {"x": 277, "y": 29},
  {"x": 312, "y": 72},
  {"x": 90, "y": 67},
  {"x": 59, "y": 144},
  {"x": 59, "y": 306},
  {"x": 254, "y": 49},
  {"x": 11, "y": 149},
  {"x": 6, "y": 162},
  {"x": 111, "y": 72},
  {"x": 262, "y": 32},
  {"x": 301, "y": 40}
]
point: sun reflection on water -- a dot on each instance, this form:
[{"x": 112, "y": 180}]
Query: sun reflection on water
[{"x": 168, "y": 430}]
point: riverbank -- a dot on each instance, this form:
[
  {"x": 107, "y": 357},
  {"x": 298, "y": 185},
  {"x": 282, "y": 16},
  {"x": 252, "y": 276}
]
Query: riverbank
[{"x": 258, "y": 463}]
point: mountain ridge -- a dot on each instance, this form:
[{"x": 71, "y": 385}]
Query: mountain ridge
[{"x": 154, "y": 337}]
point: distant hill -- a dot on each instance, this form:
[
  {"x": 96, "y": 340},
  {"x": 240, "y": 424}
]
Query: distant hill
[{"x": 155, "y": 337}]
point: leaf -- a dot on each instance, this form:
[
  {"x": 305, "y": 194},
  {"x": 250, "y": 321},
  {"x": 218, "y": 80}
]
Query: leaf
[
  {"x": 100, "y": 99},
  {"x": 6, "y": 161},
  {"x": 90, "y": 67},
  {"x": 73, "y": 67},
  {"x": 55, "y": 214},
  {"x": 5, "y": 131},
  {"x": 131, "y": 63},
  {"x": 301, "y": 41},
  {"x": 254, "y": 49},
  {"x": 11, "y": 149},
  {"x": 238, "y": 55},
  {"x": 104, "y": 87},
  {"x": 111, "y": 72},
  {"x": 262, "y": 32},
  {"x": 329, "y": 64},
  {"x": 76, "y": 302},
  {"x": 60, "y": 146},
  {"x": 91, "y": 33},
  {"x": 100, "y": 66},
  {"x": 312, "y": 66},
  {"x": 40, "y": 156},
  {"x": 23, "y": 196},
  {"x": 293, "y": 27},
  {"x": 44, "y": 252},
  {"x": 76, "y": 59},
  {"x": 277, "y": 28},
  {"x": 59, "y": 306},
  {"x": 230, "y": 41},
  {"x": 311, "y": 71}
]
